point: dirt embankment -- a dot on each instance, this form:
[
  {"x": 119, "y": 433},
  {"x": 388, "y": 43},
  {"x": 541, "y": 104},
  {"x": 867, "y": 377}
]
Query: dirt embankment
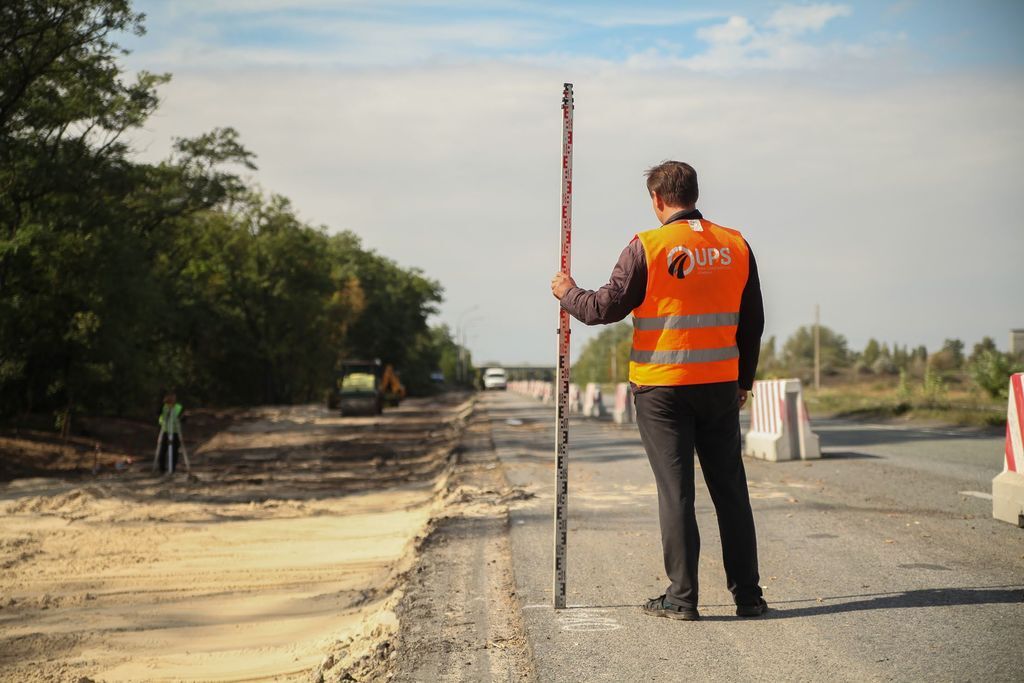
[
  {"x": 99, "y": 445},
  {"x": 280, "y": 557}
]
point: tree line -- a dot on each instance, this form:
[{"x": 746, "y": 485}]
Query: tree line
[
  {"x": 605, "y": 358},
  {"x": 120, "y": 278}
]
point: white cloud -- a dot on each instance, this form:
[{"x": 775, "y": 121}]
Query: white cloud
[
  {"x": 607, "y": 16},
  {"x": 735, "y": 30},
  {"x": 778, "y": 44},
  {"x": 881, "y": 203},
  {"x": 803, "y": 18},
  {"x": 403, "y": 32},
  {"x": 346, "y": 41},
  {"x": 637, "y": 16},
  {"x": 248, "y": 7}
]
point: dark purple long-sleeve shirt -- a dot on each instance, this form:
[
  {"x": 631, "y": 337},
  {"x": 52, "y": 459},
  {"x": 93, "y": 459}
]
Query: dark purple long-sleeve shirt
[{"x": 627, "y": 289}]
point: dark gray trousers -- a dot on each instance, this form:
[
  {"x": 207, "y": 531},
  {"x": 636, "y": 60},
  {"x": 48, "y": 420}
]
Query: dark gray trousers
[{"x": 673, "y": 421}]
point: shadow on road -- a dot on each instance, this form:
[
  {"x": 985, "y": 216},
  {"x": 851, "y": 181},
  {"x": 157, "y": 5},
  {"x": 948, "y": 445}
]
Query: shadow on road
[
  {"x": 926, "y": 597},
  {"x": 847, "y": 455},
  {"x": 852, "y": 435}
]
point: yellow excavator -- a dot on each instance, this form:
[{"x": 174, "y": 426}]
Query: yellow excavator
[
  {"x": 364, "y": 387},
  {"x": 391, "y": 387}
]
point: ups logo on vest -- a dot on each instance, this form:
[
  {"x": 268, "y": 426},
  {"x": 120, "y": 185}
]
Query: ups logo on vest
[{"x": 682, "y": 261}]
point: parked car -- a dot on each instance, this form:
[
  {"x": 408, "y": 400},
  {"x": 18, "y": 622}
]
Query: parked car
[{"x": 495, "y": 378}]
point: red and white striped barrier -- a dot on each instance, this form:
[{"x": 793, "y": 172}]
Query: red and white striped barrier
[
  {"x": 1008, "y": 487},
  {"x": 588, "y": 402},
  {"x": 537, "y": 390},
  {"x": 622, "y": 413},
  {"x": 780, "y": 428},
  {"x": 575, "y": 399}
]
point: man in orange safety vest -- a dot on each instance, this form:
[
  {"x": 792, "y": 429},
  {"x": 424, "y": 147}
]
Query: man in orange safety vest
[{"x": 695, "y": 296}]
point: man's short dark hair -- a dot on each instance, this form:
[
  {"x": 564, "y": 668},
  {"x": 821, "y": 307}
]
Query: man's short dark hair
[{"x": 674, "y": 181}]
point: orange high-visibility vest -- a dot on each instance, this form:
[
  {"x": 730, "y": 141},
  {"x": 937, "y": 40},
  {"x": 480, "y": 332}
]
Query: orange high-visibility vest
[{"x": 685, "y": 330}]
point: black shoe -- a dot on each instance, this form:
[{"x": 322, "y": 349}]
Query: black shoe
[
  {"x": 658, "y": 607},
  {"x": 752, "y": 610}
]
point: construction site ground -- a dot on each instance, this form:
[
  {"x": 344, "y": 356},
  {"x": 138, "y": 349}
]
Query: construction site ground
[
  {"x": 418, "y": 547},
  {"x": 281, "y": 557}
]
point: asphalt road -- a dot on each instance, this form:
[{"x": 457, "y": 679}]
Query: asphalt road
[{"x": 880, "y": 562}]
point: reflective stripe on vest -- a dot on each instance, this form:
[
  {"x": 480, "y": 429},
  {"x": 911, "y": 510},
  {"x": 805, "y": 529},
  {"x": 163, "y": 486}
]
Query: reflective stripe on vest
[
  {"x": 685, "y": 330},
  {"x": 686, "y": 322},
  {"x": 684, "y": 355}
]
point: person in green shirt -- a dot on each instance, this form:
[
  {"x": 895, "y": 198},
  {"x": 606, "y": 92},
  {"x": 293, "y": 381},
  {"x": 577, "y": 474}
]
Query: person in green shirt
[{"x": 170, "y": 436}]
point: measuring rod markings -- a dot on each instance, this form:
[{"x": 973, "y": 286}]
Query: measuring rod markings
[{"x": 561, "y": 405}]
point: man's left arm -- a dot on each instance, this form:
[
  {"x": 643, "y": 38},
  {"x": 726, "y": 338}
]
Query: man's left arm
[{"x": 750, "y": 327}]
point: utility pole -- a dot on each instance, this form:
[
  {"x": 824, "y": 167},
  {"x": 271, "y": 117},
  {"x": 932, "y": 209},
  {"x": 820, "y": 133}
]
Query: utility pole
[
  {"x": 817, "y": 347},
  {"x": 562, "y": 368},
  {"x": 460, "y": 342},
  {"x": 459, "y": 371}
]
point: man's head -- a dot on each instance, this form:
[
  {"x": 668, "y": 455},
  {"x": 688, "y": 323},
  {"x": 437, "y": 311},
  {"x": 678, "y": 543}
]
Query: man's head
[
  {"x": 170, "y": 398},
  {"x": 673, "y": 187}
]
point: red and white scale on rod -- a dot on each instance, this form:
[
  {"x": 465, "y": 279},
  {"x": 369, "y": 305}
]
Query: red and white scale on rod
[{"x": 562, "y": 380}]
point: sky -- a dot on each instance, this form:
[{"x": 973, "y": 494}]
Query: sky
[{"x": 869, "y": 151}]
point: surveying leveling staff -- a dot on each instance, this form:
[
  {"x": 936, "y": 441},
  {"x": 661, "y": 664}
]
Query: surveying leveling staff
[{"x": 693, "y": 290}]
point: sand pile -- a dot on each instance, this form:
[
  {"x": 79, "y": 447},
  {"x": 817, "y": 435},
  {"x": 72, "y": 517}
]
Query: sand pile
[{"x": 253, "y": 569}]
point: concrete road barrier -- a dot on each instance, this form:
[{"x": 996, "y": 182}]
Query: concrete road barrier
[
  {"x": 780, "y": 428},
  {"x": 1008, "y": 487},
  {"x": 575, "y": 399},
  {"x": 547, "y": 393},
  {"x": 622, "y": 412},
  {"x": 593, "y": 402},
  {"x": 538, "y": 390}
]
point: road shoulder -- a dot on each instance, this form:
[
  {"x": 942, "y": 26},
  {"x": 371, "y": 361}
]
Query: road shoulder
[{"x": 460, "y": 617}]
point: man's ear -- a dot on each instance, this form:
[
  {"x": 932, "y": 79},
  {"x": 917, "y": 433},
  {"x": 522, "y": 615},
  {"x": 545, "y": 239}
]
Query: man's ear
[{"x": 656, "y": 199}]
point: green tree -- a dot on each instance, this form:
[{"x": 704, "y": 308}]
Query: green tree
[
  {"x": 78, "y": 220},
  {"x": 871, "y": 352},
  {"x": 117, "y": 277},
  {"x": 900, "y": 356},
  {"x": 986, "y": 344},
  {"x": 600, "y": 355},
  {"x": 884, "y": 364},
  {"x": 451, "y": 355},
  {"x": 798, "y": 351},
  {"x": 768, "y": 364},
  {"x": 63, "y": 109},
  {"x": 949, "y": 357},
  {"x": 991, "y": 371},
  {"x": 398, "y": 302},
  {"x": 933, "y": 388}
]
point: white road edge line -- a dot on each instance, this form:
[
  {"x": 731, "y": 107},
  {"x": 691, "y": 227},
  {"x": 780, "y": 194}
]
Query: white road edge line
[
  {"x": 909, "y": 428},
  {"x": 976, "y": 494}
]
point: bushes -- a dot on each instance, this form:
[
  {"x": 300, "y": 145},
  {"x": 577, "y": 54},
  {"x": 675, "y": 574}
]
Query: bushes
[
  {"x": 606, "y": 352},
  {"x": 991, "y": 371}
]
